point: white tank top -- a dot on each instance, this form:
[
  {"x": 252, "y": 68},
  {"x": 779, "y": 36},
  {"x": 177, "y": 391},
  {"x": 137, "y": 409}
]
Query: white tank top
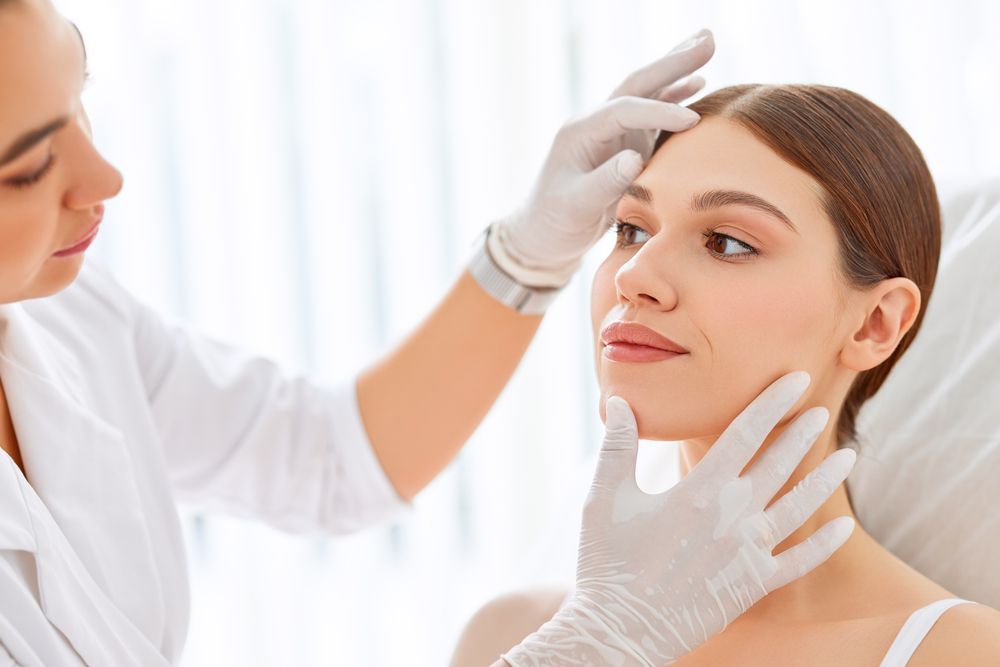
[
  {"x": 909, "y": 636},
  {"x": 915, "y": 629}
]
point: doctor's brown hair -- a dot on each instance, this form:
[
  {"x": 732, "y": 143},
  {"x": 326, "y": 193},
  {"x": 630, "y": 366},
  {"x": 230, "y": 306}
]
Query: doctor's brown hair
[{"x": 877, "y": 191}]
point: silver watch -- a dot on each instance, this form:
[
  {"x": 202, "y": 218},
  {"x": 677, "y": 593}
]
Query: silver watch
[{"x": 524, "y": 299}]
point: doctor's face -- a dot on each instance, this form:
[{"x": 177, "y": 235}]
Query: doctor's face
[
  {"x": 52, "y": 180},
  {"x": 750, "y": 296}
]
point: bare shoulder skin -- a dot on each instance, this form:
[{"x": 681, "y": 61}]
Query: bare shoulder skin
[
  {"x": 846, "y": 612},
  {"x": 503, "y": 622}
]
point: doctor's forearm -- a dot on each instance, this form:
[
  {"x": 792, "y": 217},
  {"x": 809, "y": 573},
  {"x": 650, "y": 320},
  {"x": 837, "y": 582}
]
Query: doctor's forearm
[{"x": 423, "y": 400}]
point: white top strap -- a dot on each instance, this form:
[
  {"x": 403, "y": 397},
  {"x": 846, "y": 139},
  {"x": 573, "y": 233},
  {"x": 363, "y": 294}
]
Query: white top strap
[{"x": 915, "y": 629}]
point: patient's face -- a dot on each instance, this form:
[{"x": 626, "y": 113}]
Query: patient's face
[{"x": 745, "y": 319}]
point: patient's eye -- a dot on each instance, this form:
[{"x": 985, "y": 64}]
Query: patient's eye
[
  {"x": 719, "y": 243},
  {"x": 625, "y": 233}
]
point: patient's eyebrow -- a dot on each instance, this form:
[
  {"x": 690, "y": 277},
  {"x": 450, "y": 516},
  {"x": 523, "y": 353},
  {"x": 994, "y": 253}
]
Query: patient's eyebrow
[
  {"x": 639, "y": 193},
  {"x": 713, "y": 199}
]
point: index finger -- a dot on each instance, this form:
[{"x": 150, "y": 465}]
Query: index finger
[
  {"x": 684, "y": 59},
  {"x": 745, "y": 434}
]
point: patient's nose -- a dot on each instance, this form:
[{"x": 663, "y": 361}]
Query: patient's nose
[{"x": 642, "y": 283}]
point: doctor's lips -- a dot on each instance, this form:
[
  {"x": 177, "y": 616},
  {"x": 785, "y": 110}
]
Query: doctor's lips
[
  {"x": 631, "y": 341},
  {"x": 84, "y": 242}
]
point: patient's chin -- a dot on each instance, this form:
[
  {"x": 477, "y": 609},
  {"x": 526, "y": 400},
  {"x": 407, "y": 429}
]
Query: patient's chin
[{"x": 657, "y": 420}]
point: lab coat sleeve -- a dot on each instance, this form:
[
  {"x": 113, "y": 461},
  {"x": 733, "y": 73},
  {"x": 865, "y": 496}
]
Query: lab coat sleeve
[{"x": 242, "y": 435}]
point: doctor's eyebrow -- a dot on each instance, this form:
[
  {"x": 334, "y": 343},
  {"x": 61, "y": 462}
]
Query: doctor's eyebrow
[
  {"x": 30, "y": 139},
  {"x": 713, "y": 199}
]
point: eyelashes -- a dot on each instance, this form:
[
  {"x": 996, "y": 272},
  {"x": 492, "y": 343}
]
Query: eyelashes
[
  {"x": 623, "y": 229},
  {"x": 21, "y": 183},
  {"x": 28, "y": 181},
  {"x": 725, "y": 238}
]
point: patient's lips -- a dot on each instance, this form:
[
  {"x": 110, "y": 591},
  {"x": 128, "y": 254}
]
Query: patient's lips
[{"x": 633, "y": 342}]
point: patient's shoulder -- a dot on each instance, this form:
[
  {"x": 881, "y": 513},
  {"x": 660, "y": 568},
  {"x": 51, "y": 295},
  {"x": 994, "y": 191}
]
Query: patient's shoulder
[
  {"x": 503, "y": 623},
  {"x": 966, "y": 634}
]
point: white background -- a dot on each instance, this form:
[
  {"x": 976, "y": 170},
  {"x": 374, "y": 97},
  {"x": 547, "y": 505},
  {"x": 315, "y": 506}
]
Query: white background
[{"x": 304, "y": 178}]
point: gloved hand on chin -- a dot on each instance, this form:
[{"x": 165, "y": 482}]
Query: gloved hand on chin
[{"x": 658, "y": 574}]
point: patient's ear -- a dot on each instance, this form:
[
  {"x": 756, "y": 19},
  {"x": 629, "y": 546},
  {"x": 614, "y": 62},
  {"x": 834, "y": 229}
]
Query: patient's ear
[{"x": 889, "y": 310}]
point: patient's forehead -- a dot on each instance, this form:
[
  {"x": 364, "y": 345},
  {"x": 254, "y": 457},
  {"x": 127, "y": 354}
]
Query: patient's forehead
[{"x": 718, "y": 153}]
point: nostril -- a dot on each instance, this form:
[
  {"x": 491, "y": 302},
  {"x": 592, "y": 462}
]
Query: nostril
[{"x": 648, "y": 297}]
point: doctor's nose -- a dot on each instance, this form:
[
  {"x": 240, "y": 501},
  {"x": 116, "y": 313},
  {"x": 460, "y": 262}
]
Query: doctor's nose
[
  {"x": 96, "y": 179},
  {"x": 643, "y": 283}
]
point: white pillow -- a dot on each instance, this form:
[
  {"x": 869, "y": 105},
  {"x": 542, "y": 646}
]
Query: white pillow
[{"x": 927, "y": 481}]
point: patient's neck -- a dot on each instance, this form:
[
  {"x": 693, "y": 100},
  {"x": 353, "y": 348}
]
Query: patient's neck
[{"x": 797, "y": 601}]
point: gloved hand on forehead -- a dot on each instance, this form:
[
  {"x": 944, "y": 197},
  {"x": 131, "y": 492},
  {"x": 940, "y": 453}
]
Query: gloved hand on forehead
[
  {"x": 592, "y": 160},
  {"x": 658, "y": 574}
]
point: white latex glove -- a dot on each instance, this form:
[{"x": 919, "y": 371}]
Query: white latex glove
[
  {"x": 591, "y": 162},
  {"x": 658, "y": 574}
]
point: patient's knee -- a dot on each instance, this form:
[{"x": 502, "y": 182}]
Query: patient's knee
[{"x": 503, "y": 622}]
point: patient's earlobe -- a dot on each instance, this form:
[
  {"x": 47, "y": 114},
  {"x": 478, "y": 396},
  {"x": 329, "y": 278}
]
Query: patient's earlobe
[{"x": 892, "y": 309}]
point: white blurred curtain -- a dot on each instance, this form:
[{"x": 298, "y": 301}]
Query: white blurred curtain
[{"x": 304, "y": 178}]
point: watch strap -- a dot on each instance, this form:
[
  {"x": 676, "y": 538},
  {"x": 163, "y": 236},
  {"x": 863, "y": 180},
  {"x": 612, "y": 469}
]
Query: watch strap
[{"x": 524, "y": 299}]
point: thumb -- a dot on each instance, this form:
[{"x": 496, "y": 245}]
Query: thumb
[
  {"x": 619, "y": 450},
  {"x": 608, "y": 181}
]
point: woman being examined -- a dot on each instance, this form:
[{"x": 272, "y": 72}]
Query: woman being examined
[{"x": 796, "y": 226}]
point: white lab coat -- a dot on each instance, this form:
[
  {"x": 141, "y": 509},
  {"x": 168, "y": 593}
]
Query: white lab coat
[{"x": 118, "y": 413}]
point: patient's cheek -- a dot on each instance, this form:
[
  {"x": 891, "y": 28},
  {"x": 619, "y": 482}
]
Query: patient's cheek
[{"x": 743, "y": 338}]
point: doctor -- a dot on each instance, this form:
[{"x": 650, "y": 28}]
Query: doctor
[{"x": 109, "y": 413}]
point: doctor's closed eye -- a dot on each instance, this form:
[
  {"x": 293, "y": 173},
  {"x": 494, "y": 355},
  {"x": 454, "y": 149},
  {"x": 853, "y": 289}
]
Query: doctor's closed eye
[
  {"x": 21, "y": 182},
  {"x": 717, "y": 243}
]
